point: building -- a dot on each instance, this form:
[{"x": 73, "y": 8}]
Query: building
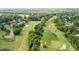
[{"x": 10, "y": 36}]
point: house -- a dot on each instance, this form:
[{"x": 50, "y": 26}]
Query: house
[
  {"x": 77, "y": 30},
  {"x": 22, "y": 23},
  {"x": 67, "y": 23},
  {"x": 10, "y": 35}
]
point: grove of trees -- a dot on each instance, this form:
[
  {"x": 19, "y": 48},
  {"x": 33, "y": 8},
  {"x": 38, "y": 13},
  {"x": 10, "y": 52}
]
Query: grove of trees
[
  {"x": 69, "y": 24},
  {"x": 34, "y": 37},
  {"x": 11, "y": 22}
]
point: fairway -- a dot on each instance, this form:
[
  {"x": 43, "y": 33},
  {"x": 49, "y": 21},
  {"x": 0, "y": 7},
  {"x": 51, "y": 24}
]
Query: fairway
[
  {"x": 50, "y": 40},
  {"x": 57, "y": 44},
  {"x": 39, "y": 29},
  {"x": 21, "y": 41}
]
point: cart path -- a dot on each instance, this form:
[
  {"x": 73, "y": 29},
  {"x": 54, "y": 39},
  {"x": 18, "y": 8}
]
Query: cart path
[
  {"x": 59, "y": 34},
  {"x": 21, "y": 40}
]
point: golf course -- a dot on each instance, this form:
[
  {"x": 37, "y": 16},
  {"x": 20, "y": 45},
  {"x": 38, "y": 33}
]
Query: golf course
[{"x": 39, "y": 30}]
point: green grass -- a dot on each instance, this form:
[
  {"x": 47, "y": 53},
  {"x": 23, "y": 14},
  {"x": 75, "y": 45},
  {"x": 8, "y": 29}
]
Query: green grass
[
  {"x": 51, "y": 27},
  {"x": 4, "y": 43},
  {"x": 50, "y": 40},
  {"x": 1, "y": 35},
  {"x": 20, "y": 42}
]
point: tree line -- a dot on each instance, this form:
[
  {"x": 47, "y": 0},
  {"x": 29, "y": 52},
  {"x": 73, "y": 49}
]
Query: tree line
[
  {"x": 69, "y": 24},
  {"x": 35, "y": 35}
]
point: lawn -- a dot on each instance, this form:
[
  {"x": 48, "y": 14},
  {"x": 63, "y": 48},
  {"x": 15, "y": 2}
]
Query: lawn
[
  {"x": 50, "y": 40},
  {"x": 20, "y": 42},
  {"x": 55, "y": 43}
]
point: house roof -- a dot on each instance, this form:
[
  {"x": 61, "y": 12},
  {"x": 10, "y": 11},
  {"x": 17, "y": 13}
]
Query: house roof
[{"x": 77, "y": 28}]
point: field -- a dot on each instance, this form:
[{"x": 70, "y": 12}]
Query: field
[
  {"x": 21, "y": 41},
  {"x": 55, "y": 39},
  {"x": 39, "y": 29}
]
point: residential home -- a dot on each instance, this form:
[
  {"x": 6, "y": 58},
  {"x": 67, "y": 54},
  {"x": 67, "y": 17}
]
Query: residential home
[
  {"x": 10, "y": 35},
  {"x": 77, "y": 30}
]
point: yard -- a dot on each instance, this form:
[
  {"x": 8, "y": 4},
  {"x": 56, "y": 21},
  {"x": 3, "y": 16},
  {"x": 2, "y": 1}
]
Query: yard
[{"x": 20, "y": 42}]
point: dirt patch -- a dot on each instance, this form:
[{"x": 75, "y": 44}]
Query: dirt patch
[{"x": 63, "y": 47}]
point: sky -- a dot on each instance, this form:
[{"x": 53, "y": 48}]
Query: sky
[{"x": 39, "y": 3}]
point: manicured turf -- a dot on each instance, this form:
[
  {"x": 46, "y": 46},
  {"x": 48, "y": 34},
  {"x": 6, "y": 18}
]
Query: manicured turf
[
  {"x": 50, "y": 26},
  {"x": 50, "y": 40},
  {"x": 20, "y": 42}
]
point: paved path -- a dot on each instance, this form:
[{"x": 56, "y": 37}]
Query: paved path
[
  {"x": 21, "y": 43},
  {"x": 59, "y": 34}
]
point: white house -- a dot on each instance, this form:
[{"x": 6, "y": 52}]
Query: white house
[{"x": 10, "y": 36}]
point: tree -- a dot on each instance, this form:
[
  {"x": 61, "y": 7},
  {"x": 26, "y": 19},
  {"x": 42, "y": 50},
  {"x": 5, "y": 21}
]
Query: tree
[{"x": 76, "y": 22}]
